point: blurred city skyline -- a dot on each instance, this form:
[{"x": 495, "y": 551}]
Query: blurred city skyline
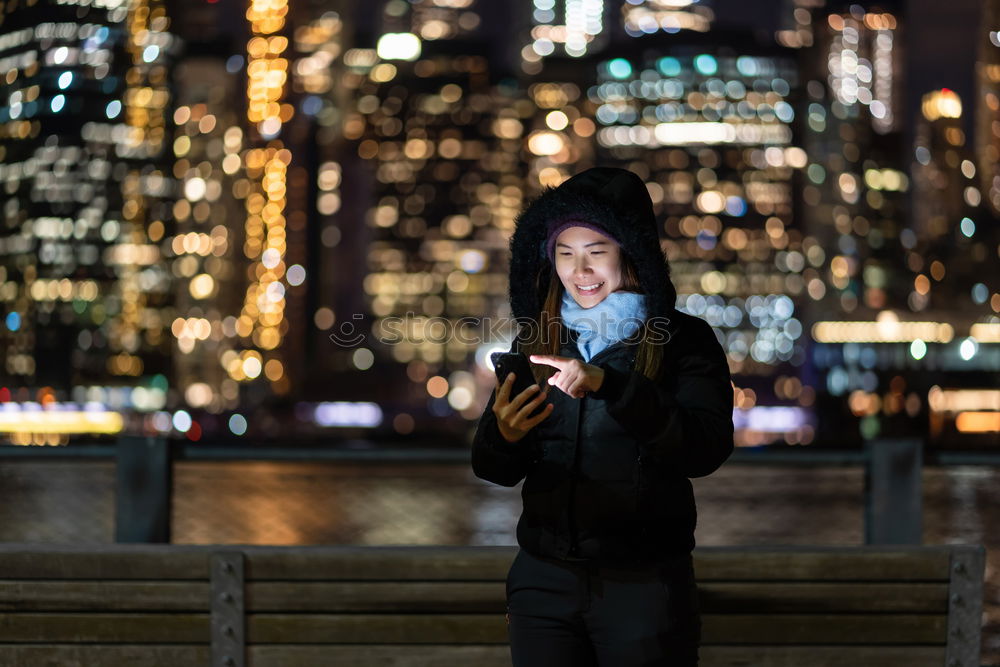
[{"x": 205, "y": 204}]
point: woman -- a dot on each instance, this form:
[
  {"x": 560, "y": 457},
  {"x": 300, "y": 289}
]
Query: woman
[{"x": 638, "y": 400}]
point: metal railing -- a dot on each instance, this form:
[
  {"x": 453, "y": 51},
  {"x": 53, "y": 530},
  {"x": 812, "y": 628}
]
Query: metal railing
[{"x": 144, "y": 467}]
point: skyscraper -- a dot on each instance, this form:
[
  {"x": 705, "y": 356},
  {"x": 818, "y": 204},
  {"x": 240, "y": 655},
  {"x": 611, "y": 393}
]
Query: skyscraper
[
  {"x": 988, "y": 106},
  {"x": 439, "y": 136},
  {"x": 256, "y": 115},
  {"x": 891, "y": 227},
  {"x": 85, "y": 110}
]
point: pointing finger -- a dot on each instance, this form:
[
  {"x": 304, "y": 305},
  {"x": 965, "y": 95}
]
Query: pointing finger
[{"x": 550, "y": 360}]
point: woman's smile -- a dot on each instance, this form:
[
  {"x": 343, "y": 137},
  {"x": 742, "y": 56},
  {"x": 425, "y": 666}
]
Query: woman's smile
[{"x": 589, "y": 289}]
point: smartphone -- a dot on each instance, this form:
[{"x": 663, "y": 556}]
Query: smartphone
[{"x": 518, "y": 364}]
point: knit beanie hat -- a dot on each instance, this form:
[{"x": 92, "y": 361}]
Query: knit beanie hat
[{"x": 557, "y": 228}]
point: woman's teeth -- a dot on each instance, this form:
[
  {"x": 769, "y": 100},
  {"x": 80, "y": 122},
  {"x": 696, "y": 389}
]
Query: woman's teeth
[{"x": 589, "y": 288}]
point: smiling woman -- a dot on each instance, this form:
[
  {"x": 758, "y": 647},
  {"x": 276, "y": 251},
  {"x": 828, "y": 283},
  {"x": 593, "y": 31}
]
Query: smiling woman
[{"x": 643, "y": 402}]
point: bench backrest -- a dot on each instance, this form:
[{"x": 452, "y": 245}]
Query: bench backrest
[{"x": 165, "y": 606}]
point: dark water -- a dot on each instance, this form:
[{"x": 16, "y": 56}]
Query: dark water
[{"x": 336, "y": 503}]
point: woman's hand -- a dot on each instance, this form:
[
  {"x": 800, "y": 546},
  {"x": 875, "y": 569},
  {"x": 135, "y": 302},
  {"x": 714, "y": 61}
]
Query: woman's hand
[
  {"x": 573, "y": 376},
  {"x": 512, "y": 415}
]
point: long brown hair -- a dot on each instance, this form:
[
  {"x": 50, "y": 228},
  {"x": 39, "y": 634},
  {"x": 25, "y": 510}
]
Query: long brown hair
[{"x": 546, "y": 336}]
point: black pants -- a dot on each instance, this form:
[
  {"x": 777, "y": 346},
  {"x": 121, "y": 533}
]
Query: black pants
[{"x": 578, "y": 614}]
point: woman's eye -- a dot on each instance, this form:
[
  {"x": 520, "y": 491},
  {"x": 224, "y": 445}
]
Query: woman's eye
[{"x": 597, "y": 252}]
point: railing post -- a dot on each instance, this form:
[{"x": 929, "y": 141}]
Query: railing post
[
  {"x": 893, "y": 491},
  {"x": 143, "y": 490}
]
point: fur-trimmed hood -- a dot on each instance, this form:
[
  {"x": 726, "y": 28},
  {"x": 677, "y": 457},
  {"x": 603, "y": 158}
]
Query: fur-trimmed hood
[{"x": 615, "y": 199}]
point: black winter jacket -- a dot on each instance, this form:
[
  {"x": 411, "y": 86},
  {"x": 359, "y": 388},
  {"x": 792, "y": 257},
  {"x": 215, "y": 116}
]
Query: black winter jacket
[{"x": 606, "y": 477}]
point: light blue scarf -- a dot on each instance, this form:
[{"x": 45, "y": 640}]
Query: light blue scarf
[{"x": 616, "y": 317}]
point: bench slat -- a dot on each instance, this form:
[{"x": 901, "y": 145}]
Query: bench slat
[
  {"x": 122, "y": 655},
  {"x": 98, "y": 628},
  {"x": 824, "y": 629},
  {"x": 376, "y": 628},
  {"x": 414, "y": 596},
  {"x": 821, "y": 656},
  {"x": 859, "y": 565},
  {"x": 155, "y": 564},
  {"x": 119, "y": 655},
  {"x": 399, "y": 655},
  {"x": 387, "y": 564},
  {"x": 307, "y": 563},
  {"x": 452, "y": 563},
  {"x": 408, "y": 596},
  {"x": 491, "y": 628},
  {"x": 499, "y": 656},
  {"x": 488, "y": 597},
  {"x": 400, "y": 563},
  {"x": 77, "y": 595},
  {"x": 784, "y": 597}
]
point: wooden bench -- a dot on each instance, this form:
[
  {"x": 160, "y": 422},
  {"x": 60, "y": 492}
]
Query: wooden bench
[{"x": 229, "y": 606}]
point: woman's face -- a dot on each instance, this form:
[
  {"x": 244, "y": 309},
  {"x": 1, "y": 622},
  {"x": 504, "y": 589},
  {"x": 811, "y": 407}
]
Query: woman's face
[{"x": 587, "y": 259}]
